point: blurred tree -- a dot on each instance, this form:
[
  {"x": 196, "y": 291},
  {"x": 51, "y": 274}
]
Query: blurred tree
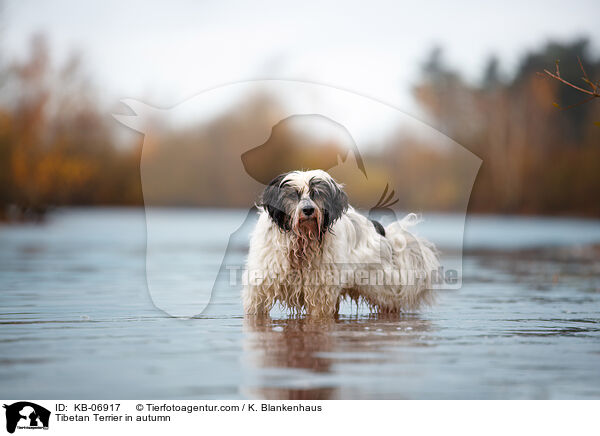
[
  {"x": 56, "y": 147},
  {"x": 491, "y": 74},
  {"x": 535, "y": 159}
]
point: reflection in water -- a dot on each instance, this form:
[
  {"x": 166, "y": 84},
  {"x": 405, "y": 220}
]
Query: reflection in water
[{"x": 312, "y": 349}]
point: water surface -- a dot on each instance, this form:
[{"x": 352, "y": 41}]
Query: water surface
[{"x": 77, "y": 321}]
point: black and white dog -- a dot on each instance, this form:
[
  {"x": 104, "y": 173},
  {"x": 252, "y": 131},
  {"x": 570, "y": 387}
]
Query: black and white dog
[{"x": 310, "y": 249}]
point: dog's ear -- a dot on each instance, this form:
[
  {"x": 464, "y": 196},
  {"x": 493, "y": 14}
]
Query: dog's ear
[
  {"x": 272, "y": 200},
  {"x": 336, "y": 205}
]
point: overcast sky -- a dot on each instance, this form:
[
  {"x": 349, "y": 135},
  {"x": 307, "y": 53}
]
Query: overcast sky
[{"x": 165, "y": 52}]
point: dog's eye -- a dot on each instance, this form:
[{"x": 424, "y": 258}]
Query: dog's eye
[{"x": 313, "y": 193}]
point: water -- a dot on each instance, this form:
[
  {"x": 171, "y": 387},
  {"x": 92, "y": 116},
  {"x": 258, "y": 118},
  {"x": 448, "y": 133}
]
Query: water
[{"x": 77, "y": 321}]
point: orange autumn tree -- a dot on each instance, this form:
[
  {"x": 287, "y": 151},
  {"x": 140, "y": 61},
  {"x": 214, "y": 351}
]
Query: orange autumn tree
[{"x": 56, "y": 147}]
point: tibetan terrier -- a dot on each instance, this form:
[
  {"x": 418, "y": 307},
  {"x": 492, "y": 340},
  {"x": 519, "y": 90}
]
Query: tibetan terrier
[{"x": 310, "y": 249}]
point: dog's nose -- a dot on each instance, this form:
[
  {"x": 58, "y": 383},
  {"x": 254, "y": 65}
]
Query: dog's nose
[{"x": 308, "y": 210}]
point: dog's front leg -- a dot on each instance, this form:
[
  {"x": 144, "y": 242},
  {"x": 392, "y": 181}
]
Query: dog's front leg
[
  {"x": 256, "y": 301},
  {"x": 322, "y": 301}
]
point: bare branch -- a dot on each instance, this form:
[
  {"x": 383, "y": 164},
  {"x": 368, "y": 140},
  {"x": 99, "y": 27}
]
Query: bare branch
[
  {"x": 557, "y": 77},
  {"x": 585, "y": 77},
  {"x": 593, "y": 93}
]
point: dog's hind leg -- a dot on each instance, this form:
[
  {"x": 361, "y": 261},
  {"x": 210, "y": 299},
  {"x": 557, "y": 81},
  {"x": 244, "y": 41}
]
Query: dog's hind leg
[{"x": 337, "y": 306}]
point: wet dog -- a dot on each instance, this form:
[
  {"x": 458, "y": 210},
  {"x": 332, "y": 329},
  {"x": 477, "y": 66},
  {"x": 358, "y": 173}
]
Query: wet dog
[{"x": 310, "y": 249}]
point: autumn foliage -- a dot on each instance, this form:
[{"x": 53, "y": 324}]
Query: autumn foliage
[
  {"x": 59, "y": 143},
  {"x": 537, "y": 159}
]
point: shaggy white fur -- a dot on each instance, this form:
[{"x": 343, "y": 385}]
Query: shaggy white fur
[{"x": 310, "y": 263}]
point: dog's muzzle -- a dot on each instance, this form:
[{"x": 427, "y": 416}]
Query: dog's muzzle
[{"x": 307, "y": 208}]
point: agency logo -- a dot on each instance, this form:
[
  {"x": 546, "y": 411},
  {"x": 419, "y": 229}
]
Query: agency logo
[{"x": 26, "y": 415}]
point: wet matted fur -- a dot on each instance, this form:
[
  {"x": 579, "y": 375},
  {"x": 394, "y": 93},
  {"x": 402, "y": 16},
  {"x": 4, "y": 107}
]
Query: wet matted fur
[{"x": 310, "y": 249}]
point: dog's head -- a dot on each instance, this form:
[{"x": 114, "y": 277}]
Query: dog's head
[{"x": 304, "y": 202}]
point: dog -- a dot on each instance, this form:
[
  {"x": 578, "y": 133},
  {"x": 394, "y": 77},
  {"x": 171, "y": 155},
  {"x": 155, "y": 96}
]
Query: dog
[{"x": 310, "y": 250}]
